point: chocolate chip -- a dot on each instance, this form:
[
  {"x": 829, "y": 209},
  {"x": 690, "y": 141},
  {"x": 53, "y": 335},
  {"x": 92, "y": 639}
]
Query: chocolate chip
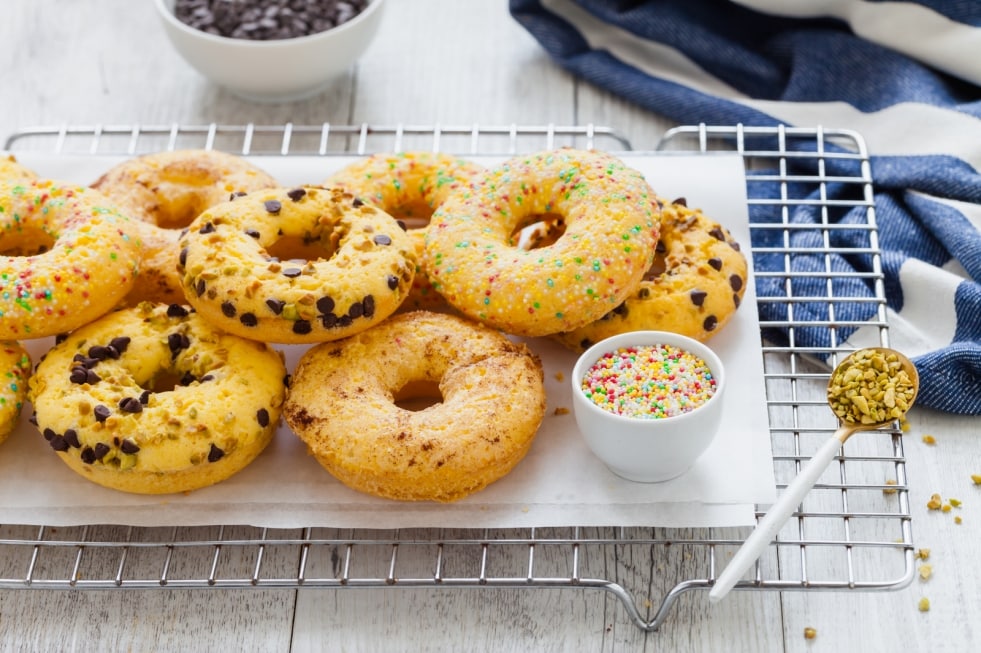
[
  {"x": 120, "y": 343},
  {"x": 177, "y": 342},
  {"x": 733, "y": 244},
  {"x": 176, "y": 310},
  {"x": 368, "y": 306},
  {"x": 88, "y": 456},
  {"x": 60, "y": 338},
  {"x": 382, "y": 239},
  {"x": 207, "y": 228},
  {"x": 252, "y": 233},
  {"x": 716, "y": 263},
  {"x": 736, "y": 300},
  {"x": 393, "y": 282},
  {"x": 292, "y": 273},
  {"x": 128, "y": 446},
  {"x": 182, "y": 257},
  {"x": 296, "y": 194},
  {"x": 207, "y": 377},
  {"x": 101, "y": 449},
  {"x": 98, "y": 352},
  {"x": 302, "y": 327},
  {"x": 329, "y": 320},
  {"x": 710, "y": 323},
  {"x": 585, "y": 343},
  {"x": 660, "y": 248},
  {"x": 145, "y": 397},
  {"x": 357, "y": 203},
  {"x": 344, "y": 321},
  {"x": 215, "y": 454},
  {"x": 71, "y": 437},
  {"x": 681, "y": 201},
  {"x": 262, "y": 416},
  {"x": 735, "y": 282},
  {"x": 325, "y": 304},
  {"x": 187, "y": 379},
  {"x": 698, "y": 297},
  {"x": 273, "y": 206},
  {"x": 249, "y": 319},
  {"x": 48, "y": 433},
  {"x": 200, "y": 287},
  {"x": 717, "y": 233},
  {"x": 402, "y": 225},
  {"x": 79, "y": 375},
  {"x": 356, "y": 310},
  {"x": 276, "y": 305},
  {"x": 101, "y": 413},
  {"x": 228, "y": 309},
  {"x": 130, "y": 405}
]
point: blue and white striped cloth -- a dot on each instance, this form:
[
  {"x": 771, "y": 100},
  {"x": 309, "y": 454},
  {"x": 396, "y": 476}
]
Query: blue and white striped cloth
[{"x": 906, "y": 74}]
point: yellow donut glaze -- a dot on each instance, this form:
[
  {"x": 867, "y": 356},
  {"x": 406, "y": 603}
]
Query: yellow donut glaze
[
  {"x": 15, "y": 368},
  {"x": 153, "y": 399},
  {"x": 347, "y": 265},
  {"x": 165, "y": 191},
  {"x": 68, "y": 258},
  {"x": 409, "y": 186},
  {"x": 694, "y": 287},
  {"x": 341, "y": 403},
  {"x": 611, "y": 227}
]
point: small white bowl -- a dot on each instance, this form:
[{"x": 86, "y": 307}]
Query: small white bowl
[
  {"x": 648, "y": 450},
  {"x": 273, "y": 71}
]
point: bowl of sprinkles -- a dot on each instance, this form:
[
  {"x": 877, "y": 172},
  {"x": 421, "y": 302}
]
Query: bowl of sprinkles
[{"x": 648, "y": 403}]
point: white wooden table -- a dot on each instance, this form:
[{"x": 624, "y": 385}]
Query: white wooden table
[{"x": 450, "y": 63}]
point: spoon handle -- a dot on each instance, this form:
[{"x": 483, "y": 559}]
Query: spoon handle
[{"x": 774, "y": 519}]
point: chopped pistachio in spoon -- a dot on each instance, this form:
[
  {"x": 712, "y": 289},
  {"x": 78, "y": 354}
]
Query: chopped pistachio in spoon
[{"x": 872, "y": 388}]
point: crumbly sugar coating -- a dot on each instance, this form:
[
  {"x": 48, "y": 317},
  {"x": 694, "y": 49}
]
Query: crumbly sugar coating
[
  {"x": 165, "y": 191},
  {"x": 611, "y": 220},
  {"x": 409, "y": 186},
  {"x": 153, "y": 399},
  {"x": 15, "y": 370},
  {"x": 341, "y": 403},
  {"x": 695, "y": 285},
  {"x": 68, "y": 257},
  {"x": 296, "y": 265}
]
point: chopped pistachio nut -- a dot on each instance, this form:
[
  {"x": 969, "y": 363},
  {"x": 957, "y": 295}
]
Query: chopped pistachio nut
[
  {"x": 810, "y": 633},
  {"x": 561, "y": 410},
  {"x": 955, "y": 502},
  {"x": 924, "y": 604},
  {"x": 925, "y": 572},
  {"x": 559, "y": 376},
  {"x": 935, "y": 502},
  {"x": 923, "y": 554},
  {"x": 945, "y": 508},
  {"x": 976, "y": 479},
  {"x": 929, "y": 439},
  {"x": 889, "y": 490},
  {"x": 958, "y": 520},
  {"x": 872, "y": 388}
]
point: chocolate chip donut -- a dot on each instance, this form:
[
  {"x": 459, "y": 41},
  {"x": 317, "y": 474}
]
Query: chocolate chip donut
[
  {"x": 153, "y": 399},
  {"x": 694, "y": 287},
  {"x": 299, "y": 265}
]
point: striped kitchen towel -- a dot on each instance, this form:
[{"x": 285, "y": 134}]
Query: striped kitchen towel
[{"x": 905, "y": 74}]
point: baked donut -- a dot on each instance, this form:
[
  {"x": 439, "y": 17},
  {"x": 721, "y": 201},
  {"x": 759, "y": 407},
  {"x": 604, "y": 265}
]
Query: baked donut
[
  {"x": 693, "y": 288},
  {"x": 298, "y": 265},
  {"x": 153, "y": 399},
  {"x": 15, "y": 368},
  {"x": 610, "y": 218},
  {"x": 66, "y": 257},
  {"x": 409, "y": 186},
  {"x": 341, "y": 403},
  {"x": 165, "y": 191},
  {"x": 12, "y": 171}
]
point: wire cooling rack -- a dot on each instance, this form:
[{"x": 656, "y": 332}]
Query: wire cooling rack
[{"x": 852, "y": 532}]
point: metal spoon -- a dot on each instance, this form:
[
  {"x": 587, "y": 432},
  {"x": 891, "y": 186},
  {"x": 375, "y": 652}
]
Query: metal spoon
[{"x": 778, "y": 514}]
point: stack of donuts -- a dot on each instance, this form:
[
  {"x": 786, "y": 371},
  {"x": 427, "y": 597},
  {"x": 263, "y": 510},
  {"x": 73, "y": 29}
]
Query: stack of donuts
[{"x": 173, "y": 281}]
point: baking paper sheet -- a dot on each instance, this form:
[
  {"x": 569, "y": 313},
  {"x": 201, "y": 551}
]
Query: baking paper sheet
[{"x": 559, "y": 483}]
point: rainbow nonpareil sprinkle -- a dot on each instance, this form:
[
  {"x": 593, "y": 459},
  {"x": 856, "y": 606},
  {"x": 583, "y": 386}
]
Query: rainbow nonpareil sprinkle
[{"x": 649, "y": 382}]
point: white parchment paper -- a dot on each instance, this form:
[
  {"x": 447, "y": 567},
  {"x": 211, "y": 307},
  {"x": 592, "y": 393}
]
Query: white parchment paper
[{"x": 559, "y": 483}]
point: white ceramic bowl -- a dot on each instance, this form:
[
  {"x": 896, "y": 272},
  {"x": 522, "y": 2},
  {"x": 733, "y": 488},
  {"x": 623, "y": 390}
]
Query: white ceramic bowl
[
  {"x": 648, "y": 449},
  {"x": 273, "y": 71}
]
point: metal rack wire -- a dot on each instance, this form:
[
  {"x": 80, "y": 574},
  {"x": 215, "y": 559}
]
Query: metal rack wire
[{"x": 852, "y": 532}]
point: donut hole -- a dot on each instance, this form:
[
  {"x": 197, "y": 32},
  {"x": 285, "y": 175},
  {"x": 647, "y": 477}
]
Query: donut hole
[
  {"x": 165, "y": 380},
  {"x": 297, "y": 248},
  {"x": 418, "y": 395},
  {"x": 29, "y": 241},
  {"x": 537, "y": 231},
  {"x": 413, "y": 214}
]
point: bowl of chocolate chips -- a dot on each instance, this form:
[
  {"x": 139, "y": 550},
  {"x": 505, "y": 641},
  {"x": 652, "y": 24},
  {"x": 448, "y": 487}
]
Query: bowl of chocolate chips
[{"x": 271, "y": 50}]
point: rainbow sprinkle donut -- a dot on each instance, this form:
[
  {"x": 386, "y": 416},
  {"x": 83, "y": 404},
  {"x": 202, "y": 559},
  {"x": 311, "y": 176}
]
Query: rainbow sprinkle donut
[
  {"x": 611, "y": 219},
  {"x": 15, "y": 367},
  {"x": 409, "y": 186},
  {"x": 68, "y": 258}
]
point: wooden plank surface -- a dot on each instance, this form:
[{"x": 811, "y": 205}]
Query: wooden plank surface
[{"x": 449, "y": 63}]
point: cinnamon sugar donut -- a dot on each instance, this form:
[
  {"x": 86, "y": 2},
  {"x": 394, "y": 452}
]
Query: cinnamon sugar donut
[
  {"x": 409, "y": 186},
  {"x": 611, "y": 223},
  {"x": 165, "y": 191},
  {"x": 694, "y": 287},
  {"x": 66, "y": 257},
  {"x": 341, "y": 403}
]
